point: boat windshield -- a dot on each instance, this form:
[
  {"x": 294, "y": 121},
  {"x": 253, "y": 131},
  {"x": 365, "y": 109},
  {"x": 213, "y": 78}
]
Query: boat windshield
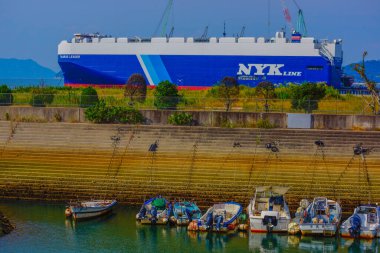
[{"x": 366, "y": 210}]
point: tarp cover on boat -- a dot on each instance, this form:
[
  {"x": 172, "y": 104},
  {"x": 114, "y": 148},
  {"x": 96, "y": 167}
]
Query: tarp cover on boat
[
  {"x": 280, "y": 190},
  {"x": 159, "y": 203}
]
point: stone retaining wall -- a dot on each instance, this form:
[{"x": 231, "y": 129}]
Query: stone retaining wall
[{"x": 202, "y": 118}]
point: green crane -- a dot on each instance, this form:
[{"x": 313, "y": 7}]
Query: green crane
[
  {"x": 163, "y": 24},
  {"x": 301, "y": 24}
]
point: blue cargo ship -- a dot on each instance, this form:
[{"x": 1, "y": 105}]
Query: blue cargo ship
[{"x": 92, "y": 59}]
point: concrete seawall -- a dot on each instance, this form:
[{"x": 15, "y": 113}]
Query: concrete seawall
[
  {"x": 204, "y": 118},
  {"x": 64, "y": 161}
]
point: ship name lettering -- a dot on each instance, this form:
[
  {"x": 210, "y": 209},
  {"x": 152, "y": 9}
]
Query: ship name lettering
[
  {"x": 273, "y": 69},
  {"x": 291, "y": 73}
]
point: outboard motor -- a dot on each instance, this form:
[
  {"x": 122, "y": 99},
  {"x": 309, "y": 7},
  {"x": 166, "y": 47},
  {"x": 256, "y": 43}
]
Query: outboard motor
[
  {"x": 209, "y": 221},
  {"x": 170, "y": 209},
  {"x": 355, "y": 223},
  {"x": 142, "y": 212},
  {"x": 219, "y": 222},
  {"x": 270, "y": 222},
  {"x": 188, "y": 215},
  {"x": 153, "y": 212}
]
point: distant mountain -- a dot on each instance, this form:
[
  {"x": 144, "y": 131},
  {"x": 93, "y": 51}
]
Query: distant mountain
[
  {"x": 20, "y": 69},
  {"x": 372, "y": 69}
]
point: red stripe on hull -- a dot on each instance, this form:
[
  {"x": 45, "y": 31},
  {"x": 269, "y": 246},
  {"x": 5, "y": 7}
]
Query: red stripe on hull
[
  {"x": 366, "y": 237},
  {"x": 104, "y": 86},
  {"x": 265, "y": 231}
]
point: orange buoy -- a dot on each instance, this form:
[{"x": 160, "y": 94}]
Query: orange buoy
[{"x": 193, "y": 226}]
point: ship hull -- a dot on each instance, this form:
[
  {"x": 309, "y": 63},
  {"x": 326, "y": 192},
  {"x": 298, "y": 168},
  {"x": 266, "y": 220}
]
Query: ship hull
[{"x": 194, "y": 71}]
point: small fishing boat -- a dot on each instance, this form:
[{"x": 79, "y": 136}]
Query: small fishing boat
[
  {"x": 364, "y": 223},
  {"x": 220, "y": 217},
  {"x": 185, "y": 212},
  {"x": 89, "y": 209},
  {"x": 153, "y": 211},
  {"x": 268, "y": 210},
  {"x": 321, "y": 217}
]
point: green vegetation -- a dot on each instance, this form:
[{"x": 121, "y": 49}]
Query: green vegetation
[
  {"x": 247, "y": 100},
  {"x": 307, "y": 96},
  {"x": 101, "y": 113},
  {"x": 181, "y": 119},
  {"x": 166, "y": 96},
  {"x": 265, "y": 123},
  {"x": 135, "y": 88},
  {"x": 226, "y": 91},
  {"x": 42, "y": 97},
  {"x": 6, "y": 97},
  {"x": 88, "y": 97},
  {"x": 266, "y": 90}
]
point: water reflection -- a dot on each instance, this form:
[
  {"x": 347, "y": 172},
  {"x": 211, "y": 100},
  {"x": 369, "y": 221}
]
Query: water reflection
[
  {"x": 318, "y": 244},
  {"x": 43, "y": 228},
  {"x": 356, "y": 245},
  {"x": 271, "y": 243}
]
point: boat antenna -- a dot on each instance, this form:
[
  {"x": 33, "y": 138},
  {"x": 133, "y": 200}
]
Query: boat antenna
[{"x": 224, "y": 30}]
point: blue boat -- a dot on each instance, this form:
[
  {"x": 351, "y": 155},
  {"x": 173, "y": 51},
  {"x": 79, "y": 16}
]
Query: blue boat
[
  {"x": 184, "y": 212},
  {"x": 90, "y": 209},
  {"x": 221, "y": 217},
  {"x": 153, "y": 212}
]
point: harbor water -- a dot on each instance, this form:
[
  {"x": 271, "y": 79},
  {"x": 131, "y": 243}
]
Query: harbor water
[{"x": 42, "y": 227}]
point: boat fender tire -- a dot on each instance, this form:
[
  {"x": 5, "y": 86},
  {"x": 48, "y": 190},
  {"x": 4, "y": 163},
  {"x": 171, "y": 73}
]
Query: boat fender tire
[{"x": 68, "y": 212}]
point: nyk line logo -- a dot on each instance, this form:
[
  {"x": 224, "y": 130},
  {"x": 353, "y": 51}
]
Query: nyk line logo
[{"x": 265, "y": 69}]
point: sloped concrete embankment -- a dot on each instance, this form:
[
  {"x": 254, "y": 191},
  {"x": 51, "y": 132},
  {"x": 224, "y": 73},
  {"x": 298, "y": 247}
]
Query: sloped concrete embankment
[{"x": 63, "y": 161}]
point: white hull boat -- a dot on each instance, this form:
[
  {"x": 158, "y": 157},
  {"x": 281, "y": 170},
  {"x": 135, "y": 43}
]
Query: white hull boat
[
  {"x": 90, "y": 209},
  {"x": 322, "y": 217},
  {"x": 364, "y": 223},
  {"x": 268, "y": 210}
]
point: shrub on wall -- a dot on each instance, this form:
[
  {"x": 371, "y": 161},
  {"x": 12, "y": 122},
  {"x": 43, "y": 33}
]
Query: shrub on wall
[
  {"x": 88, "y": 97},
  {"x": 42, "y": 97},
  {"x": 181, "y": 119},
  {"x": 101, "y": 113},
  {"x": 265, "y": 123},
  {"x": 6, "y": 97}
]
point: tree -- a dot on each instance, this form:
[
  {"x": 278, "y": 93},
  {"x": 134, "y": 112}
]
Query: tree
[
  {"x": 228, "y": 91},
  {"x": 265, "y": 89},
  {"x": 6, "y": 97},
  {"x": 371, "y": 85},
  {"x": 88, "y": 97},
  {"x": 307, "y": 96},
  {"x": 166, "y": 96},
  {"x": 135, "y": 88}
]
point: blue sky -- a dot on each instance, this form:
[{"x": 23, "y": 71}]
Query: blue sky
[{"x": 32, "y": 29}]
